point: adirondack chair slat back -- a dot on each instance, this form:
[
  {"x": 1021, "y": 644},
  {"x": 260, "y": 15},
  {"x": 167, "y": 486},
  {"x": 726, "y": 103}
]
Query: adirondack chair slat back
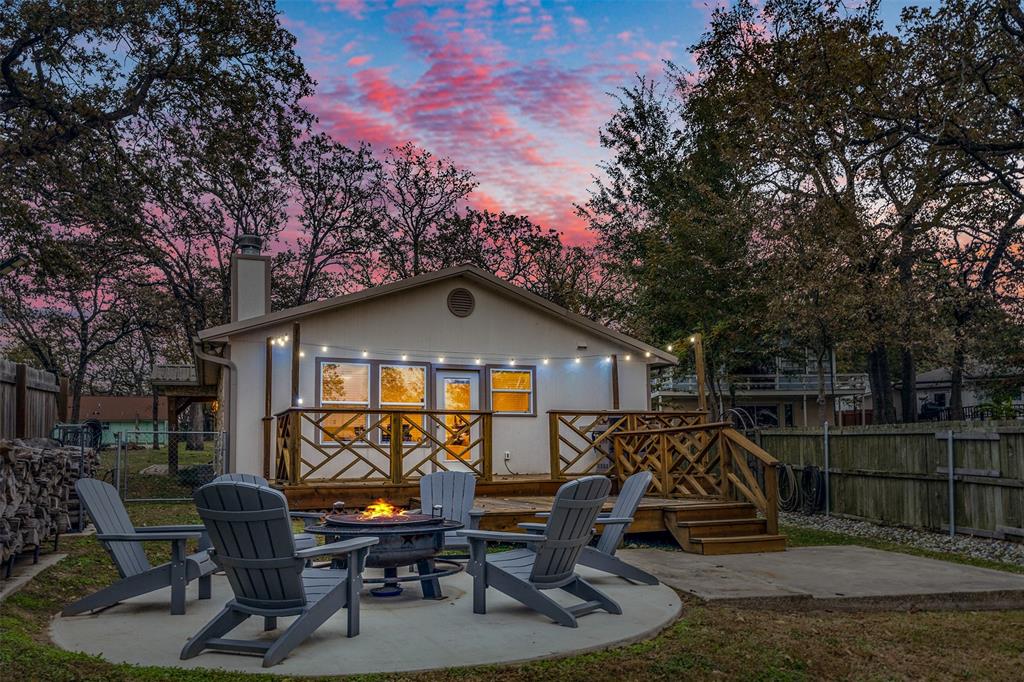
[
  {"x": 453, "y": 490},
  {"x": 108, "y": 513},
  {"x": 633, "y": 490},
  {"x": 251, "y": 535},
  {"x": 569, "y": 528},
  {"x": 242, "y": 478}
]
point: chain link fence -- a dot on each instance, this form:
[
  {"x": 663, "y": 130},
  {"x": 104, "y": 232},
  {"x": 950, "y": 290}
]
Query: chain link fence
[{"x": 146, "y": 470}]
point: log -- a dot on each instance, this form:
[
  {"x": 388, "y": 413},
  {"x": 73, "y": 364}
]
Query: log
[{"x": 37, "y": 492}]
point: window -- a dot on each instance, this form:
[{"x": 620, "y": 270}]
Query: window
[
  {"x": 404, "y": 386},
  {"x": 512, "y": 391},
  {"x": 344, "y": 383}
]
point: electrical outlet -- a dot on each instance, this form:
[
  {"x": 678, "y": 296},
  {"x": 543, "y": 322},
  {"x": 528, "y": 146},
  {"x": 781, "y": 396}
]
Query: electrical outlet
[{"x": 508, "y": 455}]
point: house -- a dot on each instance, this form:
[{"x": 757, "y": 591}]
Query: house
[
  {"x": 464, "y": 365},
  {"x": 784, "y": 393},
  {"x": 123, "y": 414}
]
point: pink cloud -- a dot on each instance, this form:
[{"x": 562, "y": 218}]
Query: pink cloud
[
  {"x": 579, "y": 24},
  {"x": 359, "y": 60},
  {"x": 354, "y": 8}
]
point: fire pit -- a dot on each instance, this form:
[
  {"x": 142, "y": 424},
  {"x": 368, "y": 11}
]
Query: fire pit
[{"x": 405, "y": 540}]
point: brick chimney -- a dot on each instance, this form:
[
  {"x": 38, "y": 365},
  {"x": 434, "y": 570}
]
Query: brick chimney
[{"x": 250, "y": 279}]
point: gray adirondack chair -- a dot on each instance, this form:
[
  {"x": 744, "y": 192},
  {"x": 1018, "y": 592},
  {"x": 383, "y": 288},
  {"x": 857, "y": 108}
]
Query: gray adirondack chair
[
  {"x": 302, "y": 540},
  {"x": 252, "y": 541},
  {"x": 549, "y": 560},
  {"x": 450, "y": 494},
  {"x": 602, "y": 555},
  {"x": 123, "y": 542}
]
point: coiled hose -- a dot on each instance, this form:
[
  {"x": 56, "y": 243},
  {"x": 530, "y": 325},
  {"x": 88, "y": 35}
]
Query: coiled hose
[
  {"x": 812, "y": 489},
  {"x": 789, "y": 490}
]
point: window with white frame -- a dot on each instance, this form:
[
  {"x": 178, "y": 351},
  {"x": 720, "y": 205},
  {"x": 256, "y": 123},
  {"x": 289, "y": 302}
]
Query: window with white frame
[
  {"x": 512, "y": 391},
  {"x": 344, "y": 384},
  {"x": 402, "y": 386}
]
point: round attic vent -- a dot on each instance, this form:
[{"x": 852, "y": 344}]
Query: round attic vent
[{"x": 461, "y": 302}]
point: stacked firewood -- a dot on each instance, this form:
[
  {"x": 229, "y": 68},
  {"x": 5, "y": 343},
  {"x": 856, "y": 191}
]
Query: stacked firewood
[{"x": 37, "y": 491}]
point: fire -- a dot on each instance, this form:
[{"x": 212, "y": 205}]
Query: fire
[{"x": 381, "y": 509}]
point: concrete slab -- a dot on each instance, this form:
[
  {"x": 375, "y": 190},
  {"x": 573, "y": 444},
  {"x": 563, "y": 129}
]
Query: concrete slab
[
  {"x": 25, "y": 570},
  {"x": 834, "y": 577},
  {"x": 397, "y": 634}
]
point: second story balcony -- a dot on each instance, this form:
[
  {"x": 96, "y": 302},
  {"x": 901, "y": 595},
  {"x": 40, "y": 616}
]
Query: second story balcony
[{"x": 794, "y": 384}]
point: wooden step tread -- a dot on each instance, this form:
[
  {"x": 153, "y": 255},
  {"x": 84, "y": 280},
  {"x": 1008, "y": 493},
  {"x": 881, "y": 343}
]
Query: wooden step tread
[
  {"x": 738, "y": 539},
  {"x": 720, "y": 522}
]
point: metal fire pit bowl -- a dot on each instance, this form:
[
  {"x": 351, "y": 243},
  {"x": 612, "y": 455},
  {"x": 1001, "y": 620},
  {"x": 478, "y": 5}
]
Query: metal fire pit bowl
[{"x": 411, "y": 540}]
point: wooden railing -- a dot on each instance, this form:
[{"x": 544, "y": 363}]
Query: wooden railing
[
  {"x": 345, "y": 445},
  {"x": 581, "y": 441},
  {"x": 709, "y": 460}
]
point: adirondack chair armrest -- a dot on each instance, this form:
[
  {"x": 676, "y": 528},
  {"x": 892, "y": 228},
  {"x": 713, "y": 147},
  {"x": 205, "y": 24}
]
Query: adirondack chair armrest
[
  {"x": 613, "y": 520},
  {"x": 334, "y": 548},
  {"x": 498, "y": 536},
  {"x": 143, "y": 537},
  {"x": 305, "y": 515},
  {"x": 475, "y": 514},
  {"x": 543, "y": 515},
  {"x": 171, "y": 529},
  {"x": 533, "y": 528}
]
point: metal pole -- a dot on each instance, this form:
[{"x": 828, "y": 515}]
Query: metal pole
[
  {"x": 952, "y": 484},
  {"x": 827, "y": 491},
  {"x": 117, "y": 465},
  {"x": 698, "y": 356}
]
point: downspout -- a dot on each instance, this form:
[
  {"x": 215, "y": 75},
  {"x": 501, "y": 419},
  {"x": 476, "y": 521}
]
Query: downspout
[{"x": 197, "y": 346}]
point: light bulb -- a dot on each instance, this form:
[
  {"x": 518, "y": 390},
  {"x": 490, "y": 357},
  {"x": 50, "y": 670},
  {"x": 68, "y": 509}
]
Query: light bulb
[
  {"x": 693, "y": 339},
  {"x": 477, "y": 361},
  {"x": 440, "y": 359},
  {"x": 647, "y": 354},
  {"x": 302, "y": 353},
  {"x": 628, "y": 358},
  {"x": 300, "y": 401},
  {"x": 545, "y": 361},
  {"x": 285, "y": 337},
  {"x": 577, "y": 360},
  {"x": 323, "y": 349},
  {"x": 404, "y": 357},
  {"x": 608, "y": 359},
  {"x": 669, "y": 348},
  {"x": 365, "y": 353},
  {"x": 512, "y": 361}
]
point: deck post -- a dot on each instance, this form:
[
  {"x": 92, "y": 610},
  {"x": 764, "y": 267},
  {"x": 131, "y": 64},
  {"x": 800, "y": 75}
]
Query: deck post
[
  {"x": 725, "y": 465},
  {"x": 294, "y": 446},
  {"x": 487, "y": 449},
  {"x": 295, "y": 364},
  {"x": 771, "y": 494},
  {"x": 268, "y": 416},
  {"x": 396, "y": 447},
  {"x": 665, "y": 464},
  {"x": 556, "y": 472}
]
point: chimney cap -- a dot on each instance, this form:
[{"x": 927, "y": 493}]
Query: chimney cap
[{"x": 249, "y": 244}]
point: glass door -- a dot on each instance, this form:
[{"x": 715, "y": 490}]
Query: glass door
[{"x": 458, "y": 390}]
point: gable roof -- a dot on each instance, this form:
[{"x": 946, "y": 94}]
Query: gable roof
[{"x": 221, "y": 332}]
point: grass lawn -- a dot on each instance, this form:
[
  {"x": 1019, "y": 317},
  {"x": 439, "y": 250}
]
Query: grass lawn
[
  {"x": 156, "y": 485},
  {"x": 706, "y": 643}
]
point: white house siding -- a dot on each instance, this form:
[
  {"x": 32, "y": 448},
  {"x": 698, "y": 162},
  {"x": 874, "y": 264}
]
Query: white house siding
[{"x": 417, "y": 322}]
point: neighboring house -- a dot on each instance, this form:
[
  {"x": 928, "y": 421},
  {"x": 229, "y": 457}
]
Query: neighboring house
[
  {"x": 456, "y": 339},
  {"x": 935, "y": 392},
  {"x": 785, "y": 394},
  {"x": 123, "y": 414}
]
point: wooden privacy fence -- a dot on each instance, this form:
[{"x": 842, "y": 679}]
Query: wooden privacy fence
[
  {"x": 344, "y": 445},
  {"x": 581, "y": 442},
  {"x": 900, "y": 475},
  {"x": 706, "y": 461},
  {"x": 29, "y": 400}
]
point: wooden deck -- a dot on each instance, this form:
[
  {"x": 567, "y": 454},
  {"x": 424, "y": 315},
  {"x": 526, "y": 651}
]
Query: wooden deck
[{"x": 700, "y": 525}]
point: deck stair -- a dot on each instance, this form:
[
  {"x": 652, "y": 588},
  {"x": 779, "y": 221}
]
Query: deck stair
[{"x": 722, "y": 528}]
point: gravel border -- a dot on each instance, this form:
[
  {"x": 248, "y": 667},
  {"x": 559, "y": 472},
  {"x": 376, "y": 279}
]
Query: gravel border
[{"x": 977, "y": 547}]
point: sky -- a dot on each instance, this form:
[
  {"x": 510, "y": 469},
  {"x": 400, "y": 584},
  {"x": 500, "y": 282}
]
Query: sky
[{"x": 513, "y": 90}]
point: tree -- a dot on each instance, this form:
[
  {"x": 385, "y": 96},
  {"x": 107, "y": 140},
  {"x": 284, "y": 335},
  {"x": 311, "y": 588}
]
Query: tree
[
  {"x": 334, "y": 190},
  {"x": 418, "y": 195}
]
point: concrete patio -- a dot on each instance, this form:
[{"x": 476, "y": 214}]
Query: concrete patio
[
  {"x": 833, "y": 577},
  {"x": 404, "y": 633}
]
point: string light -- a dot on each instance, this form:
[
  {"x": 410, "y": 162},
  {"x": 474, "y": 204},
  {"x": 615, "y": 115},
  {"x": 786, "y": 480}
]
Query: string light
[
  {"x": 693, "y": 339},
  {"x": 434, "y": 356},
  {"x": 302, "y": 353},
  {"x": 404, "y": 357},
  {"x": 628, "y": 358},
  {"x": 441, "y": 360},
  {"x": 545, "y": 361},
  {"x": 670, "y": 348},
  {"x": 365, "y": 353},
  {"x": 577, "y": 360},
  {"x": 647, "y": 354},
  {"x": 608, "y": 358},
  {"x": 323, "y": 349},
  {"x": 300, "y": 401},
  {"x": 477, "y": 361},
  {"x": 512, "y": 361}
]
